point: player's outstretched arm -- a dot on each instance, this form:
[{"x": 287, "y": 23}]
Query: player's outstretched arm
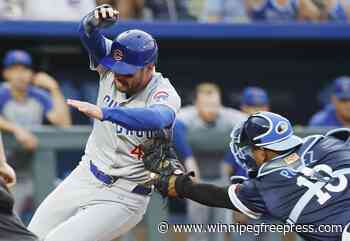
[
  {"x": 92, "y": 39},
  {"x": 206, "y": 194},
  {"x": 241, "y": 196},
  {"x": 151, "y": 118}
]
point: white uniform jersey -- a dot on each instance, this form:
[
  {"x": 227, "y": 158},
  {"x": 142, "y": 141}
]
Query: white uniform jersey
[{"x": 114, "y": 149}]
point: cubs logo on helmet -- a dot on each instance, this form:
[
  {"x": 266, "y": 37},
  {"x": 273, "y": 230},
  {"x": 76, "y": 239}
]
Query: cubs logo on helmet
[{"x": 131, "y": 50}]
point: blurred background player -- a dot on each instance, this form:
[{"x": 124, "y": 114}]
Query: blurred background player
[
  {"x": 337, "y": 113},
  {"x": 27, "y": 99},
  {"x": 334, "y": 10},
  {"x": 74, "y": 10},
  {"x": 208, "y": 119},
  {"x": 282, "y": 10},
  {"x": 224, "y": 11},
  {"x": 254, "y": 99}
]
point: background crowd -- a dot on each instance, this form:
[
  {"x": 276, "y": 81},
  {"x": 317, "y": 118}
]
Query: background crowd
[{"x": 183, "y": 10}]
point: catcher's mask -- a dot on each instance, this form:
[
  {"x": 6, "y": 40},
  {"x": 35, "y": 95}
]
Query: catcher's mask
[{"x": 261, "y": 130}]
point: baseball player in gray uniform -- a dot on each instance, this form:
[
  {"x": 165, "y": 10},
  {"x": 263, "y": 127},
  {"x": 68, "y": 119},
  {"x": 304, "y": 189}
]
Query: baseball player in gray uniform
[
  {"x": 107, "y": 195},
  {"x": 207, "y": 119}
]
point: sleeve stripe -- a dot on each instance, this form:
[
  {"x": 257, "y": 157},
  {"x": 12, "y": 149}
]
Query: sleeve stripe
[{"x": 239, "y": 205}]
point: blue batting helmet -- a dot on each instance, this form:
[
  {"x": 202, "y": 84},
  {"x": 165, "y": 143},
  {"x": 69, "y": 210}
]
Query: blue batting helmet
[
  {"x": 131, "y": 51},
  {"x": 263, "y": 129}
]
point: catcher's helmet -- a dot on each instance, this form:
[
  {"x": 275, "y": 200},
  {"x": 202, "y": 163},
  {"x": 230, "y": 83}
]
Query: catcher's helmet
[
  {"x": 263, "y": 129},
  {"x": 131, "y": 51}
]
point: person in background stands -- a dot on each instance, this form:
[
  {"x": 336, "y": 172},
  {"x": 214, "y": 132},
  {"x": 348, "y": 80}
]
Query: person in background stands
[
  {"x": 337, "y": 113},
  {"x": 224, "y": 11},
  {"x": 206, "y": 119},
  {"x": 27, "y": 99}
]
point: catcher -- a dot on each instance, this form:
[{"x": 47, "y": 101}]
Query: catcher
[{"x": 298, "y": 181}]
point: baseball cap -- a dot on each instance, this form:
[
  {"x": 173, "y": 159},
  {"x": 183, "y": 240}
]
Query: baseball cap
[
  {"x": 17, "y": 57},
  {"x": 254, "y": 96},
  {"x": 342, "y": 87}
]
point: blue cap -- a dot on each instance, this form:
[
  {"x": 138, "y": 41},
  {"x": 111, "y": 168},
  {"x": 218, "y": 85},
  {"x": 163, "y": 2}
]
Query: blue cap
[
  {"x": 254, "y": 96},
  {"x": 342, "y": 87},
  {"x": 17, "y": 57},
  {"x": 131, "y": 50}
]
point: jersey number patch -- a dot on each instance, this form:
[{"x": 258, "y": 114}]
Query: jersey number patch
[
  {"x": 316, "y": 187},
  {"x": 332, "y": 182},
  {"x": 137, "y": 152}
]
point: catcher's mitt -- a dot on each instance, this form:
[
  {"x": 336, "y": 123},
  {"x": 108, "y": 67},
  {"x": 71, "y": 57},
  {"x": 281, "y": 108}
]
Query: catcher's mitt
[{"x": 160, "y": 157}]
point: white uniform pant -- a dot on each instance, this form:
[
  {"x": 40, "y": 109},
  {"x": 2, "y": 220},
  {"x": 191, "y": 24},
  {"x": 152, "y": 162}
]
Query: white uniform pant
[{"x": 82, "y": 208}]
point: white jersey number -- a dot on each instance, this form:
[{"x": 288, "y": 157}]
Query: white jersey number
[
  {"x": 321, "y": 189},
  {"x": 316, "y": 187}
]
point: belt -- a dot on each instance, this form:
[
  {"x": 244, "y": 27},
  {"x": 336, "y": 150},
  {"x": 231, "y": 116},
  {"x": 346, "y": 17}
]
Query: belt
[{"x": 109, "y": 180}]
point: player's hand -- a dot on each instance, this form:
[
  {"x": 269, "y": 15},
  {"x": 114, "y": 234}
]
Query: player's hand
[
  {"x": 26, "y": 139},
  {"x": 102, "y": 16},
  {"x": 106, "y": 11},
  {"x": 88, "y": 109},
  {"x": 8, "y": 174},
  {"x": 45, "y": 81}
]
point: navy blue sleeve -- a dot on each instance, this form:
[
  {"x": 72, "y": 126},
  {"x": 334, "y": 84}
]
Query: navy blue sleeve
[
  {"x": 181, "y": 144},
  {"x": 142, "y": 119},
  {"x": 95, "y": 43},
  {"x": 246, "y": 198},
  {"x": 230, "y": 160}
]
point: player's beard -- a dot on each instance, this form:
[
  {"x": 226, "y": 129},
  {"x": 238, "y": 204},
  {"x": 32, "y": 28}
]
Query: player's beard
[
  {"x": 122, "y": 85},
  {"x": 131, "y": 85}
]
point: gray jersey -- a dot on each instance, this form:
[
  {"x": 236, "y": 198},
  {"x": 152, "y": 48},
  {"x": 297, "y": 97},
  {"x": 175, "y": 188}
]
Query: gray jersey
[
  {"x": 28, "y": 112},
  {"x": 205, "y": 152},
  {"x": 115, "y": 149}
]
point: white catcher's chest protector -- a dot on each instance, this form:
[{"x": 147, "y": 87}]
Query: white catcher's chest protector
[{"x": 115, "y": 149}]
